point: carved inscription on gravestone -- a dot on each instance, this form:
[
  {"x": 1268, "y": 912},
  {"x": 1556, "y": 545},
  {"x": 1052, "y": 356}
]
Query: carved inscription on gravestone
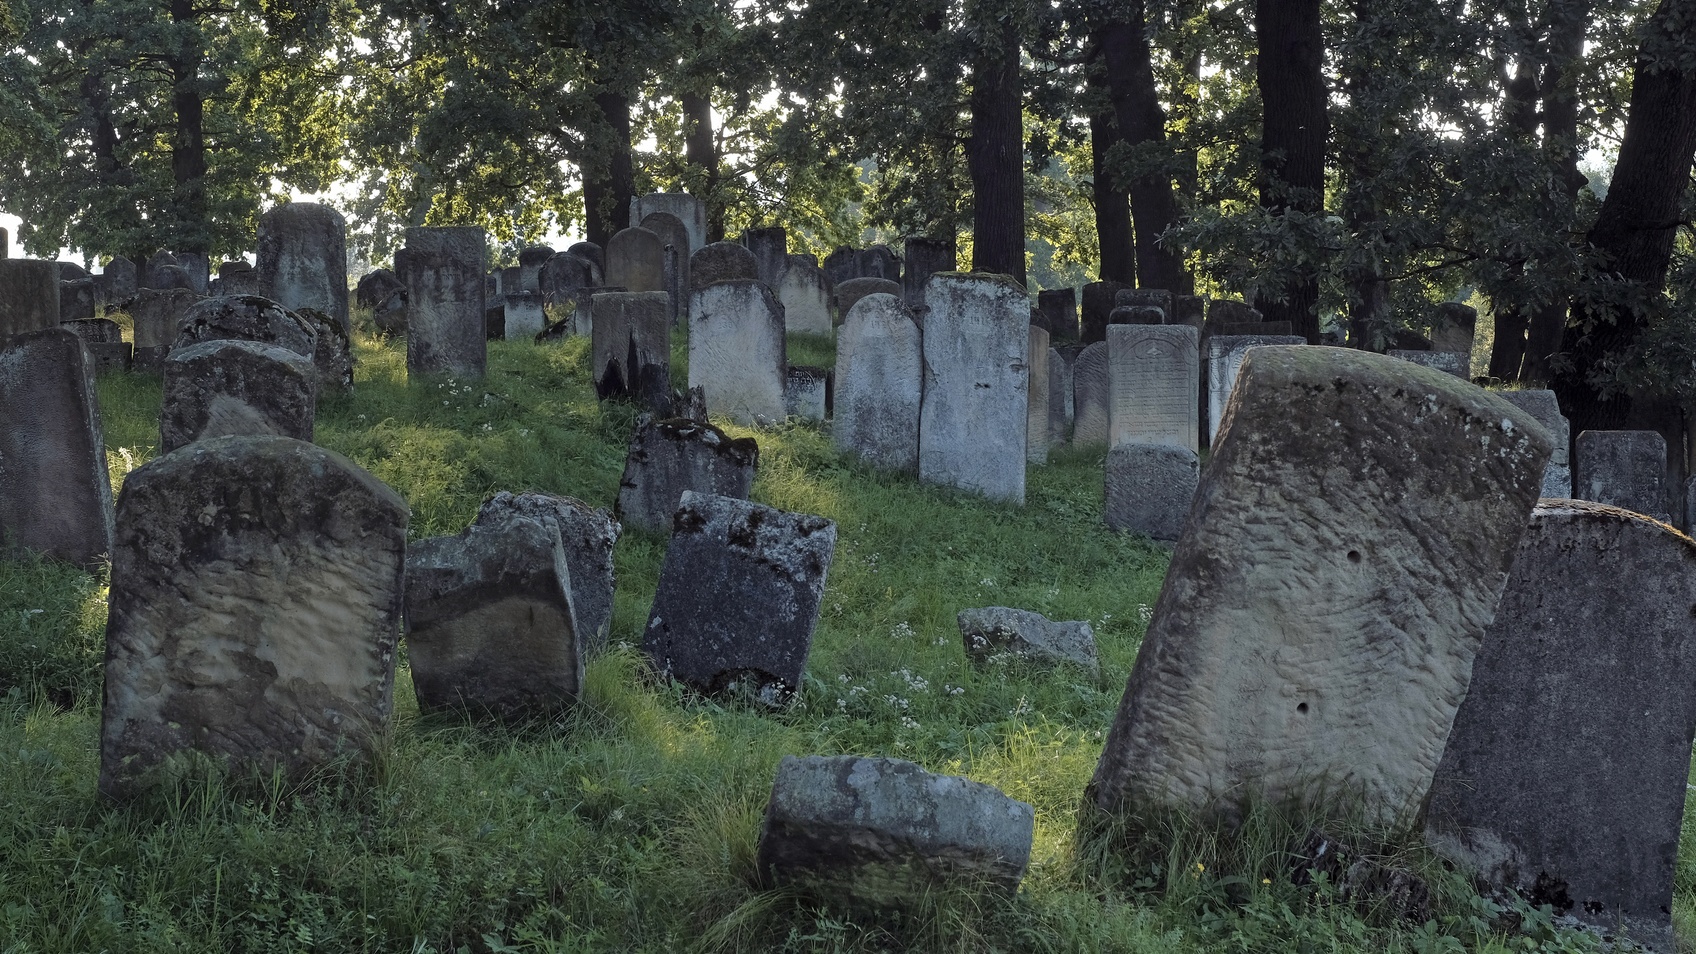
[{"x": 1152, "y": 372}]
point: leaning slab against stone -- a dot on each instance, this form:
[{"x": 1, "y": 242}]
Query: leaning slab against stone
[
  {"x": 671, "y": 456},
  {"x": 1152, "y": 375},
  {"x": 1448, "y": 362},
  {"x": 1224, "y": 356},
  {"x": 223, "y": 387},
  {"x": 721, "y": 262},
  {"x": 738, "y": 597},
  {"x": 630, "y": 351},
  {"x": 245, "y": 318},
  {"x": 879, "y": 381},
  {"x": 489, "y": 624},
  {"x": 973, "y": 415},
  {"x": 1564, "y": 776},
  {"x": 1092, "y": 389},
  {"x": 1383, "y": 504},
  {"x": 29, "y": 296},
  {"x": 1624, "y": 469},
  {"x": 446, "y": 308},
  {"x": 885, "y": 832},
  {"x": 1541, "y": 404},
  {"x": 848, "y": 294},
  {"x": 302, "y": 258},
  {"x": 996, "y": 634},
  {"x": 256, "y": 599},
  {"x": 737, "y": 350},
  {"x": 588, "y": 534},
  {"x": 1150, "y": 488},
  {"x": 55, "y": 494}
]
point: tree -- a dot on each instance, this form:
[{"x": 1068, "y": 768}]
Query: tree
[
  {"x": 995, "y": 149},
  {"x": 1294, "y": 132}
]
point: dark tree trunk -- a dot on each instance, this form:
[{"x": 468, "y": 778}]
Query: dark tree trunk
[
  {"x": 1519, "y": 120},
  {"x": 700, "y": 152},
  {"x": 188, "y": 136},
  {"x": 995, "y": 154},
  {"x": 1362, "y": 161},
  {"x": 1294, "y": 130},
  {"x": 1136, "y": 105},
  {"x": 1112, "y": 203},
  {"x": 609, "y": 179}
]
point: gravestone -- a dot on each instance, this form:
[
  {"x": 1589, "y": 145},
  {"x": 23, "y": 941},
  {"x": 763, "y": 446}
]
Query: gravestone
[
  {"x": 1235, "y": 329},
  {"x": 525, "y": 317},
  {"x": 674, "y": 236},
  {"x": 878, "y": 262},
  {"x": 1564, "y": 777},
  {"x": 1059, "y": 307},
  {"x": 121, "y": 284},
  {"x": 240, "y": 278},
  {"x": 1188, "y": 310},
  {"x": 76, "y": 300},
  {"x": 976, "y": 391},
  {"x": 847, "y": 294},
  {"x": 104, "y": 341},
  {"x": 721, "y": 262},
  {"x": 671, "y": 456},
  {"x": 738, "y": 597},
  {"x": 688, "y": 209},
  {"x": 245, "y": 318},
  {"x": 332, "y": 353},
  {"x": 489, "y": 624},
  {"x": 1448, "y": 362},
  {"x": 153, "y": 275},
  {"x": 995, "y": 634},
  {"x": 631, "y": 348},
  {"x": 1099, "y": 300},
  {"x": 737, "y": 351},
  {"x": 1145, "y": 298},
  {"x": 255, "y": 603},
  {"x": 55, "y": 495},
  {"x": 805, "y": 298},
  {"x": 588, "y": 534},
  {"x": 1059, "y": 397},
  {"x": 564, "y": 276},
  {"x": 1541, "y": 404},
  {"x": 232, "y": 387},
  {"x": 591, "y": 252},
  {"x": 1092, "y": 390},
  {"x": 446, "y": 304},
  {"x": 29, "y": 296},
  {"x": 385, "y": 294},
  {"x": 155, "y": 313},
  {"x": 1152, "y": 375},
  {"x": 198, "y": 267},
  {"x": 1149, "y": 488},
  {"x": 1135, "y": 315},
  {"x": 925, "y": 257},
  {"x": 879, "y": 381},
  {"x": 636, "y": 260},
  {"x": 1454, "y": 328},
  {"x": 886, "y": 832},
  {"x": 167, "y": 277},
  {"x": 1224, "y": 358},
  {"x": 1036, "y": 398},
  {"x": 770, "y": 247},
  {"x": 1625, "y": 469},
  {"x": 1383, "y": 503},
  {"x": 841, "y": 265},
  {"x": 805, "y": 389},
  {"x": 530, "y": 262},
  {"x": 1224, "y": 311},
  {"x": 302, "y": 258}
]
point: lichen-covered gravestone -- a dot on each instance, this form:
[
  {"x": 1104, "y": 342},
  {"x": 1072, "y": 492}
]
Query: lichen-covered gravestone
[
  {"x": 588, "y": 534},
  {"x": 223, "y": 387},
  {"x": 1622, "y": 469},
  {"x": 255, "y": 604},
  {"x": 737, "y": 352},
  {"x": 879, "y": 380},
  {"x": 1564, "y": 776},
  {"x": 671, "y": 456},
  {"x": 994, "y": 634},
  {"x": 245, "y": 318},
  {"x": 55, "y": 495},
  {"x": 332, "y": 351},
  {"x": 630, "y": 350},
  {"x": 973, "y": 416},
  {"x": 738, "y": 597},
  {"x": 1149, "y": 488},
  {"x": 302, "y": 258},
  {"x": 446, "y": 301},
  {"x": 1383, "y": 504}
]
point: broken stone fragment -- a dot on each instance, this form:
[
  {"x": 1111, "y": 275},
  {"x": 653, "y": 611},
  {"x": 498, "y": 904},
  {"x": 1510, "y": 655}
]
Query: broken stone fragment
[{"x": 996, "y": 633}]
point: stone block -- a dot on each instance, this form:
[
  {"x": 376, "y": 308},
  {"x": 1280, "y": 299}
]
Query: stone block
[
  {"x": 995, "y": 634},
  {"x": 1150, "y": 488},
  {"x": 233, "y": 387},
  {"x": 671, "y": 456},
  {"x": 976, "y": 392},
  {"x": 879, "y": 384},
  {"x": 737, "y": 350}
]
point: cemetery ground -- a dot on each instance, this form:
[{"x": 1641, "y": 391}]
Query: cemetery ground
[{"x": 631, "y": 824}]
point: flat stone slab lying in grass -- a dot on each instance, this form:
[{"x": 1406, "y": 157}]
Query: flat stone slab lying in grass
[
  {"x": 995, "y": 633},
  {"x": 885, "y": 831}
]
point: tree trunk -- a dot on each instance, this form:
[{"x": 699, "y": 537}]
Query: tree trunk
[
  {"x": 609, "y": 179},
  {"x": 190, "y": 231},
  {"x": 1136, "y": 105},
  {"x": 995, "y": 153},
  {"x": 1519, "y": 120},
  {"x": 1361, "y": 159},
  {"x": 1294, "y": 130},
  {"x": 700, "y": 153},
  {"x": 1112, "y": 202}
]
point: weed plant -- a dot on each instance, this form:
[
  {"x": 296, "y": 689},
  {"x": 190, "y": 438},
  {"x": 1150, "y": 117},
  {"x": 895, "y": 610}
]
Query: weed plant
[{"x": 631, "y": 825}]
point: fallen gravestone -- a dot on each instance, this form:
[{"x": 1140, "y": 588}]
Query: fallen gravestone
[
  {"x": 737, "y": 351},
  {"x": 1149, "y": 489},
  {"x": 1383, "y": 503},
  {"x": 738, "y": 597},
  {"x": 446, "y": 310},
  {"x": 1152, "y": 376},
  {"x": 255, "y": 604},
  {"x": 302, "y": 258},
  {"x": 1625, "y": 469},
  {"x": 630, "y": 351},
  {"x": 671, "y": 456},
  {"x": 1541, "y": 404},
  {"x": 993, "y": 635},
  {"x": 973, "y": 414},
  {"x": 223, "y": 387},
  {"x": 879, "y": 381},
  {"x": 588, "y": 534},
  {"x": 1092, "y": 389}
]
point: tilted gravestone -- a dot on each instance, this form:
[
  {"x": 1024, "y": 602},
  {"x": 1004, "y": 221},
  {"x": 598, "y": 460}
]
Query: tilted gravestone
[
  {"x": 1152, "y": 374},
  {"x": 255, "y": 604},
  {"x": 1564, "y": 777},
  {"x": 1383, "y": 503},
  {"x": 489, "y": 624},
  {"x": 770, "y": 247},
  {"x": 332, "y": 352},
  {"x": 1059, "y": 307},
  {"x": 155, "y": 314},
  {"x": 1098, "y": 301},
  {"x": 1037, "y": 438},
  {"x": 886, "y": 832},
  {"x": 631, "y": 348},
  {"x": 588, "y": 535},
  {"x": 994, "y": 635},
  {"x": 976, "y": 394},
  {"x": 924, "y": 258},
  {"x": 805, "y": 390},
  {"x": 737, "y": 351},
  {"x": 29, "y": 296},
  {"x": 879, "y": 382},
  {"x": 1542, "y": 405},
  {"x": 1225, "y": 355},
  {"x": 674, "y": 237},
  {"x": 671, "y": 456},
  {"x": 55, "y": 495},
  {"x": 302, "y": 258},
  {"x": 691, "y": 211},
  {"x": 636, "y": 260},
  {"x": 1149, "y": 488},
  {"x": 223, "y": 387},
  {"x": 738, "y": 597},
  {"x": 845, "y": 295},
  {"x": 1092, "y": 390},
  {"x": 721, "y": 262},
  {"x": 805, "y": 297},
  {"x": 245, "y": 318},
  {"x": 1624, "y": 469},
  {"x": 446, "y": 301}
]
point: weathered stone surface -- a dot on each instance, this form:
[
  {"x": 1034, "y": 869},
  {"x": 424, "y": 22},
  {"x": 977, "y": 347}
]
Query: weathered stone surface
[
  {"x": 95, "y": 330},
  {"x": 631, "y": 349},
  {"x": 1099, "y": 300},
  {"x": 530, "y": 261},
  {"x": 847, "y": 263},
  {"x": 1135, "y": 315},
  {"x": 565, "y": 276},
  {"x": 1145, "y": 298},
  {"x": 1454, "y": 328},
  {"x": 805, "y": 297},
  {"x": 1564, "y": 776},
  {"x": 121, "y": 283},
  {"x": 302, "y": 258},
  {"x": 1059, "y": 307},
  {"x": 29, "y": 296},
  {"x": 1037, "y": 437},
  {"x": 1224, "y": 311},
  {"x": 1150, "y": 487},
  {"x": 1625, "y": 469},
  {"x": 738, "y": 597},
  {"x": 588, "y": 535},
  {"x": 1542, "y": 405},
  {"x": 332, "y": 352},
  {"x": 489, "y": 622},
  {"x": 55, "y": 495},
  {"x": 846, "y": 294},
  {"x": 737, "y": 351},
  {"x": 636, "y": 260},
  {"x": 167, "y": 277},
  {"x": 1225, "y": 355},
  {"x": 770, "y": 248},
  {"x": 255, "y": 602},
  {"x": 1152, "y": 374},
  {"x": 879, "y": 383},
  {"x": 223, "y": 387},
  {"x": 1059, "y": 397},
  {"x": 1448, "y": 362},
  {"x": 688, "y": 209},
  {"x": 1188, "y": 310},
  {"x": 1092, "y": 389},
  {"x": 924, "y": 258},
  {"x": 239, "y": 278},
  {"x": 995, "y": 634},
  {"x": 669, "y": 457},
  {"x": 592, "y": 252},
  {"x": 674, "y": 239},
  {"x": 886, "y": 832},
  {"x": 77, "y": 300},
  {"x": 524, "y": 315},
  {"x": 155, "y": 314},
  {"x": 245, "y": 318},
  {"x": 721, "y": 262},
  {"x": 384, "y": 293},
  {"x": 446, "y": 303},
  {"x": 198, "y": 267},
  {"x": 1383, "y": 504},
  {"x": 976, "y": 393},
  {"x": 805, "y": 390},
  {"x": 109, "y": 355},
  {"x": 152, "y": 273}
]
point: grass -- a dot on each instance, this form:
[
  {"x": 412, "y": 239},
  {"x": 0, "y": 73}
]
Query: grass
[{"x": 632, "y": 824}]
